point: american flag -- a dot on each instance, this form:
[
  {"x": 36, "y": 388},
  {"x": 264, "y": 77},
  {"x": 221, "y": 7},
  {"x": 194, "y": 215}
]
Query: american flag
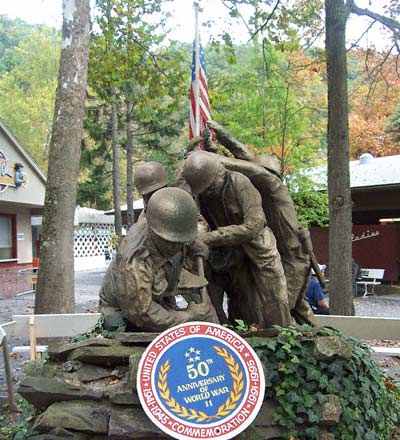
[{"x": 198, "y": 94}]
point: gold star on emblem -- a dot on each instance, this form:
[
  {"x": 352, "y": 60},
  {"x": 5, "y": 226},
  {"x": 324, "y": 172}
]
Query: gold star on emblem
[{"x": 191, "y": 350}]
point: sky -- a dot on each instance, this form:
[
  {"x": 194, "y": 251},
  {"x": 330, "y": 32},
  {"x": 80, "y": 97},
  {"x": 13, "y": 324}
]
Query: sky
[{"x": 49, "y": 12}]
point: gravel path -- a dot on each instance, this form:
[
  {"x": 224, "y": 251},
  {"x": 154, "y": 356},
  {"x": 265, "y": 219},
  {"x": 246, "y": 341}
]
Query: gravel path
[{"x": 87, "y": 286}]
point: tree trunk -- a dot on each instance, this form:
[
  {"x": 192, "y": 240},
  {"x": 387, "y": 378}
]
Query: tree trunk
[
  {"x": 55, "y": 286},
  {"x": 115, "y": 149},
  {"x": 340, "y": 291},
  {"x": 129, "y": 167}
]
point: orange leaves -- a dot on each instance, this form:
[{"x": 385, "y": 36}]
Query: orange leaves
[{"x": 374, "y": 94}]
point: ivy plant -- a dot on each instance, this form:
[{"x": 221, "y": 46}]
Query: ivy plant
[{"x": 300, "y": 384}]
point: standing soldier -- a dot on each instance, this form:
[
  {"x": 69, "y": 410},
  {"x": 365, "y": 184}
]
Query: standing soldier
[
  {"x": 293, "y": 241},
  {"x": 232, "y": 207}
]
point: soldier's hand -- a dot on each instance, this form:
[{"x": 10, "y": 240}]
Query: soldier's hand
[
  {"x": 198, "y": 311},
  {"x": 214, "y": 125},
  {"x": 199, "y": 249},
  {"x": 194, "y": 142},
  {"x": 203, "y": 237}
]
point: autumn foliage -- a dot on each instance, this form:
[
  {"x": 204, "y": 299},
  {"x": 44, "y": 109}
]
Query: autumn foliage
[{"x": 374, "y": 94}]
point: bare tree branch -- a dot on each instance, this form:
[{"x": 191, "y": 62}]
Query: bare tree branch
[
  {"x": 388, "y": 22},
  {"x": 262, "y": 27},
  {"x": 231, "y": 8},
  {"x": 361, "y": 36}
]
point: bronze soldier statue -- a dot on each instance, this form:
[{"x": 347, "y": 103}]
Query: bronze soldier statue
[
  {"x": 232, "y": 207},
  {"x": 293, "y": 241},
  {"x": 149, "y": 178},
  {"x": 150, "y": 270}
]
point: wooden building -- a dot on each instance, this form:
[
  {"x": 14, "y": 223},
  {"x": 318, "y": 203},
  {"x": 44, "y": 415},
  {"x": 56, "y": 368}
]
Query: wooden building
[
  {"x": 375, "y": 193},
  {"x": 22, "y": 191}
]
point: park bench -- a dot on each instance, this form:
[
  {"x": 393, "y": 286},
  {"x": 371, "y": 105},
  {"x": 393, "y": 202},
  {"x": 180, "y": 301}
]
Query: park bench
[{"x": 370, "y": 277}]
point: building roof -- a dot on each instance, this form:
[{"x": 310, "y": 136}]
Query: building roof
[
  {"x": 366, "y": 172},
  {"x": 137, "y": 206},
  {"x": 90, "y": 215},
  {"x": 22, "y": 151}
]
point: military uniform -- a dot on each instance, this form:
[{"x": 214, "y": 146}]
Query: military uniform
[
  {"x": 293, "y": 242},
  {"x": 238, "y": 224},
  {"x": 139, "y": 284},
  {"x": 137, "y": 288}
]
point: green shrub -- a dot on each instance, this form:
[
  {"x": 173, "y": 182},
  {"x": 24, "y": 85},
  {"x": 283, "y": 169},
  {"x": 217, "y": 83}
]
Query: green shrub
[
  {"x": 17, "y": 426},
  {"x": 300, "y": 383}
]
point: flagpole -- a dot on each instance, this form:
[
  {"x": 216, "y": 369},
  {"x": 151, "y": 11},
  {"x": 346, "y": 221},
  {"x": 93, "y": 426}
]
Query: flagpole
[{"x": 197, "y": 70}]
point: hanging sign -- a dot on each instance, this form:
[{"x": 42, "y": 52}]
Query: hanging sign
[
  {"x": 11, "y": 173},
  {"x": 200, "y": 381},
  {"x": 7, "y": 177}
]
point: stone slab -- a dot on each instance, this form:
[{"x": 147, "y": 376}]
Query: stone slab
[
  {"x": 60, "y": 434},
  {"x": 89, "y": 417},
  {"x": 126, "y": 423},
  {"x": 105, "y": 356},
  {"x": 122, "y": 394},
  {"x": 264, "y": 417},
  {"x": 89, "y": 373},
  {"x": 134, "y": 360},
  {"x": 331, "y": 411},
  {"x": 61, "y": 351},
  {"x": 328, "y": 348},
  {"x": 42, "y": 392},
  {"x": 136, "y": 338}
]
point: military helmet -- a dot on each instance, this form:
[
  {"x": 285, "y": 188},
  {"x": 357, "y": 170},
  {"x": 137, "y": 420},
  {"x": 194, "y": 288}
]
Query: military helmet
[
  {"x": 150, "y": 177},
  {"x": 269, "y": 162},
  {"x": 172, "y": 215},
  {"x": 200, "y": 170}
]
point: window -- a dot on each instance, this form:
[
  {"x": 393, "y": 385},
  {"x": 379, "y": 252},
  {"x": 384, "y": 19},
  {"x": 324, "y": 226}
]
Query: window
[{"x": 7, "y": 237}]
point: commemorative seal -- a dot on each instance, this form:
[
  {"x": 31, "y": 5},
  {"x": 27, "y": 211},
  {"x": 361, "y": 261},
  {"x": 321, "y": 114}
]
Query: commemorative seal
[{"x": 200, "y": 381}]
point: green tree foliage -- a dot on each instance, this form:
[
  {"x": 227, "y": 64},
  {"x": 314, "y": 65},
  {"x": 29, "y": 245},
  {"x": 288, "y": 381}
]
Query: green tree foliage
[
  {"x": 394, "y": 127},
  {"x": 311, "y": 203},
  {"x": 28, "y": 79},
  {"x": 96, "y": 160},
  {"x": 150, "y": 79},
  {"x": 278, "y": 111},
  {"x": 272, "y": 112}
]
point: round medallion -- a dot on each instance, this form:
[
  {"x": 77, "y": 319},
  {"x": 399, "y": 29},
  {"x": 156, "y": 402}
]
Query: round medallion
[{"x": 200, "y": 381}]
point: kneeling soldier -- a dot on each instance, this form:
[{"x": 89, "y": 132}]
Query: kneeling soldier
[{"x": 135, "y": 289}]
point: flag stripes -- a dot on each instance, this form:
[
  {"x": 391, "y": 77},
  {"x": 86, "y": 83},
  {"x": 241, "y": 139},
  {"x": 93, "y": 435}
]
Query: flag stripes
[{"x": 202, "y": 98}]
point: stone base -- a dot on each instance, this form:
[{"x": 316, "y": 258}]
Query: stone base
[{"x": 87, "y": 390}]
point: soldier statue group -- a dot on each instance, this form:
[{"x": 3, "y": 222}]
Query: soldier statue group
[{"x": 232, "y": 213}]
